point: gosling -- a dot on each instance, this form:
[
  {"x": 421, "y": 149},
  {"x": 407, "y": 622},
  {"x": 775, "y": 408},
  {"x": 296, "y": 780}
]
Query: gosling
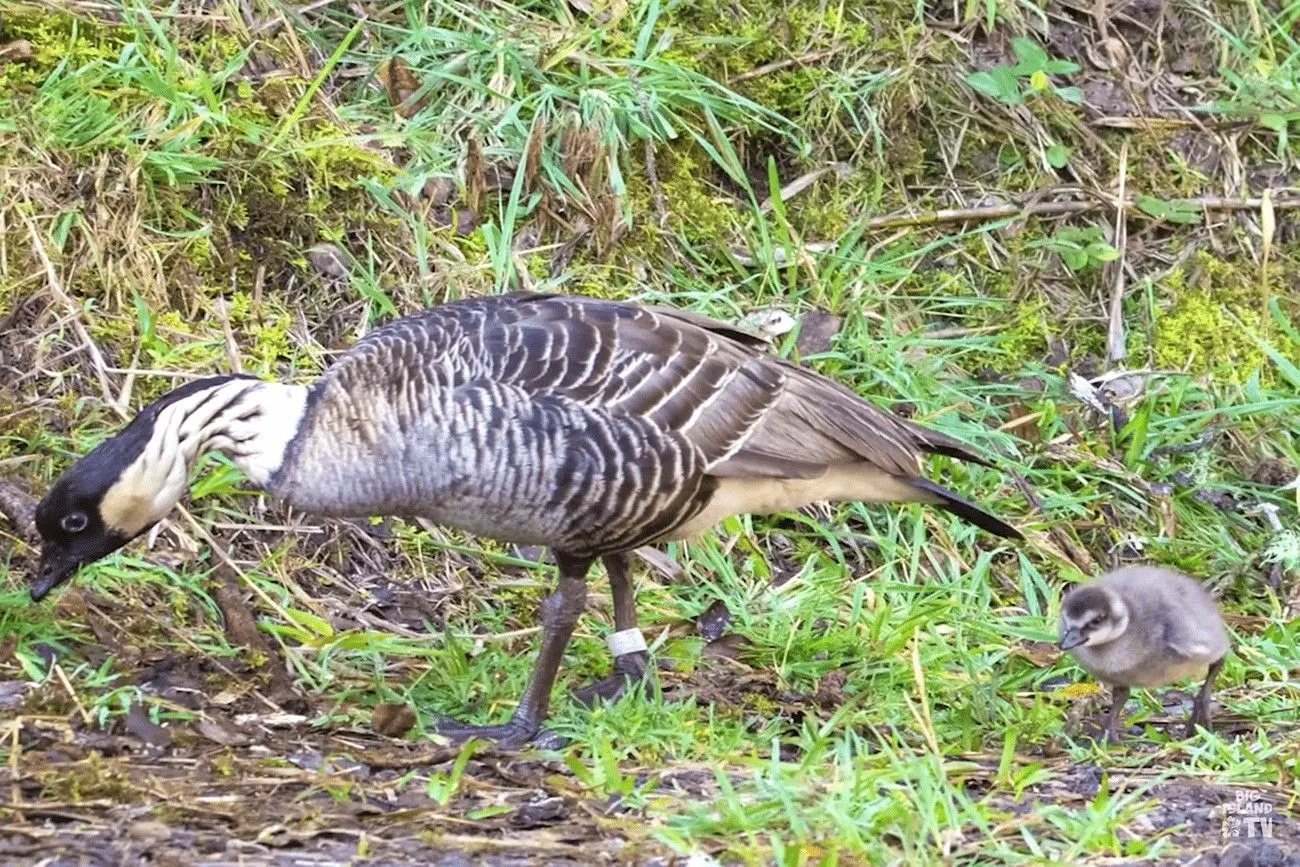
[
  {"x": 589, "y": 426},
  {"x": 1145, "y": 626}
]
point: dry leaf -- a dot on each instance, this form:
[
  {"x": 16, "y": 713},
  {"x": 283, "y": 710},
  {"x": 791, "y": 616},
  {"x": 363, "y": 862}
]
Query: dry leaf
[
  {"x": 532, "y": 166},
  {"x": 400, "y": 84},
  {"x": 727, "y": 647},
  {"x": 1042, "y": 654},
  {"x": 1076, "y": 691},
  {"x": 219, "y": 734},
  {"x": 19, "y": 49}
]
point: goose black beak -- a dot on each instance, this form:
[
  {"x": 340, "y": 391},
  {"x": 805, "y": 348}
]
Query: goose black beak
[
  {"x": 1071, "y": 638},
  {"x": 56, "y": 566}
]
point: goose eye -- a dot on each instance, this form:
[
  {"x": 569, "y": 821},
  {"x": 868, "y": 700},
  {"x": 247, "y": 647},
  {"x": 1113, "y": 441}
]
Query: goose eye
[{"x": 74, "y": 522}]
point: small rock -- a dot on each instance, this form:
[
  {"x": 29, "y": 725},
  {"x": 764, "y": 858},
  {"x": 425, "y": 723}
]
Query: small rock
[
  {"x": 439, "y": 190},
  {"x": 830, "y": 690},
  {"x": 327, "y": 260},
  {"x": 11, "y": 692},
  {"x": 139, "y": 724},
  {"x": 1237, "y": 855},
  {"x": 817, "y": 329},
  {"x": 714, "y": 621},
  {"x": 536, "y": 814},
  {"x": 1274, "y": 472},
  {"x": 392, "y": 719},
  {"x": 149, "y": 831},
  {"x": 466, "y": 221}
]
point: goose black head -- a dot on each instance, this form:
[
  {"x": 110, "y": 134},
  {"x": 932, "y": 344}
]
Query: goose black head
[
  {"x": 119, "y": 490},
  {"x": 1091, "y": 615}
]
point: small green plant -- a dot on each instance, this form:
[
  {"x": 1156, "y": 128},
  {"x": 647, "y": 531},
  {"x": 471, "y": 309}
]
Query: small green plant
[
  {"x": 1079, "y": 247},
  {"x": 604, "y": 776},
  {"x": 1174, "y": 211},
  {"x": 1028, "y": 77},
  {"x": 442, "y": 787}
]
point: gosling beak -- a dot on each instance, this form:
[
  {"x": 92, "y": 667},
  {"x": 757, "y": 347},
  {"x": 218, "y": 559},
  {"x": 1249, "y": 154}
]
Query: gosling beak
[
  {"x": 1072, "y": 637},
  {"x": 56, "y": 567}
]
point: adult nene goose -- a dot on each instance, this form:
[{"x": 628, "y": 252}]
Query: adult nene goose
[{"x": 592, "y": 427}]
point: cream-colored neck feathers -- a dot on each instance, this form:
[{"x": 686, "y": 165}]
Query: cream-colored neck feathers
[{"x": 251, "y": 421}]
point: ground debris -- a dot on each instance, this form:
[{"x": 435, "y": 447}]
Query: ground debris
[
  {"x": 242, "y": 630},
  {"x": 392, "y": 719}
]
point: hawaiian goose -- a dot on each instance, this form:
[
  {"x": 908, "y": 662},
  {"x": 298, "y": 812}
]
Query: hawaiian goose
[
  {"x": 1145, "y": 626},
  {"x": 592, "y": 427}
]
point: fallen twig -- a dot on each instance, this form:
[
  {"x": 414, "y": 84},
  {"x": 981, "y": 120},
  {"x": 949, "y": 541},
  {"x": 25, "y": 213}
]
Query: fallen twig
[
  {"x": 242, "y": 629},
  {"x": 56, "y": 289},
  {"x": 1115, "y": 347},
  {"x": 778, "y": 65},
  {"x": 20, "y": 508},
  {"x": 1058, "y": 208},
  {"x": 1061, "y": 208}
]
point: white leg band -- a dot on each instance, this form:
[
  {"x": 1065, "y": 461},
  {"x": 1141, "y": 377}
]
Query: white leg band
[{"x": 625, "y": 642}]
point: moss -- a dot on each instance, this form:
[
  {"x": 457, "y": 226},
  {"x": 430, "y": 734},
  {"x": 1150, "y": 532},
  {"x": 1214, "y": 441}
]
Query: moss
[
  {"x": 1204, "y": 306},
  {"x": 699, "y": 214},
  {"x": 55, "y": 37}
]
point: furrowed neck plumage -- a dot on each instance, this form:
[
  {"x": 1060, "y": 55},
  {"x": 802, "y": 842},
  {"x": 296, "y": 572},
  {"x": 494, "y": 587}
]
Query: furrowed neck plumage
[{"x": 250, "y": 420}]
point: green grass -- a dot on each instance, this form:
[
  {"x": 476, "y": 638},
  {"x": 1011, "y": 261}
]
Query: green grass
[{"x": 168, "y": 163}]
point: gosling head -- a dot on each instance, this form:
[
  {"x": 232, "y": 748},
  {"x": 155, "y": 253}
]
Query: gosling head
[
  {"x": 118, "y": 491},
  {"x": 1091, "y": 615}
]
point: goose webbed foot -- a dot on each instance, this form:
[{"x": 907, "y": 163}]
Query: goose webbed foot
[
  {"x": 629, "y": 670},
  {"x": 513, "y": 735},
  {"x": 559, "y": 612}
]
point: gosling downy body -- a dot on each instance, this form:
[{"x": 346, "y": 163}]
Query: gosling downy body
[
  {"x": 1145, "y": 626},
  {"x": 589, "y": 426}
]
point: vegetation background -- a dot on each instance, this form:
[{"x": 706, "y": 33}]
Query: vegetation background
[{"x": 1063, "y": 231}]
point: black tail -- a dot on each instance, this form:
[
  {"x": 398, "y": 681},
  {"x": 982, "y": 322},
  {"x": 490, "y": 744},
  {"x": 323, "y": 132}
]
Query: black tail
[{"x": 965, "y": 509}]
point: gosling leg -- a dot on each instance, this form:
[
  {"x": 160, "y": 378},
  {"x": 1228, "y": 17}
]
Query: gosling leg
[
  {"x": 1118, "y": 697},
  {"x": 1201, "y": 706},
  {"x": 559, "y": 613},
  {"x": 628, "y": 667}
]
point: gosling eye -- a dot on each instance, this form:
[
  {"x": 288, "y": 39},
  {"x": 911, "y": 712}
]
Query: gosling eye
[
  {"x": 1095, "y": 622},
  {"x": 74, "y": 522}
]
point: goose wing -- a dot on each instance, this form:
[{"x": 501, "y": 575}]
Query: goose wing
[{"x": 749, "y": 412}]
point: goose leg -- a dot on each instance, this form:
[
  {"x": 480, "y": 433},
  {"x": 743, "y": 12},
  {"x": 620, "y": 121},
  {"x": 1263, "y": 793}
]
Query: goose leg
[
  {"x": 559, "y": 613},
  {"x": 1118, "y": 696},
  {"x": 1201, "y": 706},
  {"x": 628, "y": 667}
]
